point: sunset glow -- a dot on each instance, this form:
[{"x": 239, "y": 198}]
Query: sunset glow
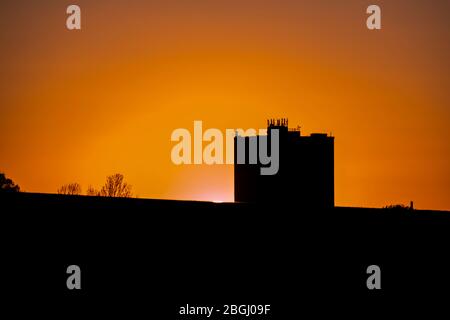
[{"x": 77, "y": 106}]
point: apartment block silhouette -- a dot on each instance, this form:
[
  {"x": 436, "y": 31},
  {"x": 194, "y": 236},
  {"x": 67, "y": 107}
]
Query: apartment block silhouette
[{"x": 305, "y": 175}]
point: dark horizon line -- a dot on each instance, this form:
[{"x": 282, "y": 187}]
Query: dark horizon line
[{"x": 218, "y": 203}]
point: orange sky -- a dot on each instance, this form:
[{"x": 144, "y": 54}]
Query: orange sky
[{"x": 80, "y": 105}]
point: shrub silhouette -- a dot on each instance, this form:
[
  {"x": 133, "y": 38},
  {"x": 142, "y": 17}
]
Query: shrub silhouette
[
  {"x": 399, "y": 207},
  {"x": 70, "y": 189},
  {"x": 91, "y": 191}
]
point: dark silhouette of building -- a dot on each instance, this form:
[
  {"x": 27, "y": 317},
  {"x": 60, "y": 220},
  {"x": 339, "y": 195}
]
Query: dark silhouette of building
[{"x": 305, "y": 175}]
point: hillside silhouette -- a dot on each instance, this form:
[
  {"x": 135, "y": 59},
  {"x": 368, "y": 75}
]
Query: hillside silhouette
[{"x": 295, "y": 246}]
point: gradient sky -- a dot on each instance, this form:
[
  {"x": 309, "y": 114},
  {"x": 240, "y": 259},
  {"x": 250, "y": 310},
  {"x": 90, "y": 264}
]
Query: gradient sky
[{"x": 76, "y": 106}]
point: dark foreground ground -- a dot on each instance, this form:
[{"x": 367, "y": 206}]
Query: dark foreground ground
[{"x": 150, "y": 257}]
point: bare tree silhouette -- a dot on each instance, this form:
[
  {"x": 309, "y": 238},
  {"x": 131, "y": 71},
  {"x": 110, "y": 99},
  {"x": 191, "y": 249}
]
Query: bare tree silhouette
[
  {"x": 7, "y": 185},
  {"x": 115, "y": 186},
  {"x": 70, "y": 189},
  {"x": 91, "y": 191}
]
